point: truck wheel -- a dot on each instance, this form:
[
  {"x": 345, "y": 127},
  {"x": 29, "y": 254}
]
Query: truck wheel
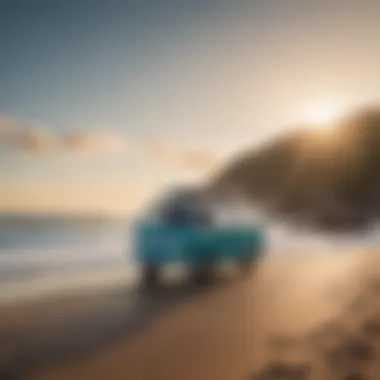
[
  {"x": 203, "y": 273},
  {"x": 247, "y": 266},
  {"x": 151, "y": 277}
]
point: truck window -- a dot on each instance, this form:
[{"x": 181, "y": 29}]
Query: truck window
[
  {"x": 187, "y": 214},
  {"x": 186, "y": 207}
]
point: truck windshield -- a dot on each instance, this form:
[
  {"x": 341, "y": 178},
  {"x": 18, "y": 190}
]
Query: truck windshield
[
  {"x": 182, "y": 209},
  {"x": 181, "y": 214}
]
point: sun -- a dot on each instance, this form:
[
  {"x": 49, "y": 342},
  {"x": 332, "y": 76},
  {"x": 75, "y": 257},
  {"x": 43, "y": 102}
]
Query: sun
[{"x": 321, "y": 115}]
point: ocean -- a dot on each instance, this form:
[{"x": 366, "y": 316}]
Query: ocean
[
  {"x": 47, "y": 254},
  {"x": 44, "y": 254}
]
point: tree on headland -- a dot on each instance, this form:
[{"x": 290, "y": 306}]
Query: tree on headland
[{"x": 328, "y": 178}]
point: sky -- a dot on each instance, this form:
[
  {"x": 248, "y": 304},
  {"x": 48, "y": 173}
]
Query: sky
[{"x": 102, "y": 102}]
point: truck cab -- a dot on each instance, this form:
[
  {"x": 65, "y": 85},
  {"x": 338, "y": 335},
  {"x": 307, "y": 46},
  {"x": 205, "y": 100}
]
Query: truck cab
[{"x": 185, "y": 227}]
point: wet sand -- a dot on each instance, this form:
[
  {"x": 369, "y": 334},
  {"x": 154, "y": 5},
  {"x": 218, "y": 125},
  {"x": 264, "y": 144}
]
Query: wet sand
[{"x": 304, "y": 318}]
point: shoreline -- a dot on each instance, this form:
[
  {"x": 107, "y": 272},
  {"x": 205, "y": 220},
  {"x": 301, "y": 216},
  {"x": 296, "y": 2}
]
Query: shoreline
[
  {"x": 63, "y": 282},
  {"x": 219, "y": 332}
]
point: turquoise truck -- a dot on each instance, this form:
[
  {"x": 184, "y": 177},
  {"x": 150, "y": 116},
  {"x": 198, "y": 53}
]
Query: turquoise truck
[{"x": 182, "y": 227}]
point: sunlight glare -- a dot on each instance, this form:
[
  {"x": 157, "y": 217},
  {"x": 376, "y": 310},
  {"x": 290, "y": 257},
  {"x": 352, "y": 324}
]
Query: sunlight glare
[{"x": 321, "y": 115}]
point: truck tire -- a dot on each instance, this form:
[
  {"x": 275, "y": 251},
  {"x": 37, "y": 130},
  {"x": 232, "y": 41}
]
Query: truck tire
[
  {"x": 247, "y": 264},
  {"x": 151, "y": 277},
  {"x": 203, "y": 273}
]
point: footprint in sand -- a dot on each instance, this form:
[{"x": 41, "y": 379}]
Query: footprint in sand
[
  {"x": 326, "y": 335},
  {"x": 355, "y": 376},
  {"x": 370, "y": 328},
  {"x": 279, "y": 344},
  {"x": 283, "y": 371},
  {"x": 374, "y": 286},
  {"x": 358, "y": 303},
  {"x": 349, "y": 353},
  {"x": 346, "y": 354}
]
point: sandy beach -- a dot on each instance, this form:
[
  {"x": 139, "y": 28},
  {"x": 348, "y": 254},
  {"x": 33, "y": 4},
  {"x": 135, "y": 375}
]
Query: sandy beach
[{"x": 289, "y": 316}]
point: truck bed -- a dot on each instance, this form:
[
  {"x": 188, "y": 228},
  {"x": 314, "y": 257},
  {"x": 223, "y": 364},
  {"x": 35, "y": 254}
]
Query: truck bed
[{"x": 160, "y": 243}]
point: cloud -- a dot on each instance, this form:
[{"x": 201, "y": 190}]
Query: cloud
[
  {"x": 7, "y": 127},
  {"x": 189, "y": 159},
  {"x": 89, "y": 143},
  {"x": 33, "y": 141},
  {"x": 27, "y": 138},
  {"x": 23, "y": 137},
  {"x": 158, "y": 149},
  {"x": 198, "y": 160}
]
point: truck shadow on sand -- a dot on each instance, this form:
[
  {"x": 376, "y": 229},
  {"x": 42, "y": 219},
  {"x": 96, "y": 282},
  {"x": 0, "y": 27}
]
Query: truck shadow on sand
[
  {"x": 114, "y": 318},
  {"x": 341, "y": 349}
]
